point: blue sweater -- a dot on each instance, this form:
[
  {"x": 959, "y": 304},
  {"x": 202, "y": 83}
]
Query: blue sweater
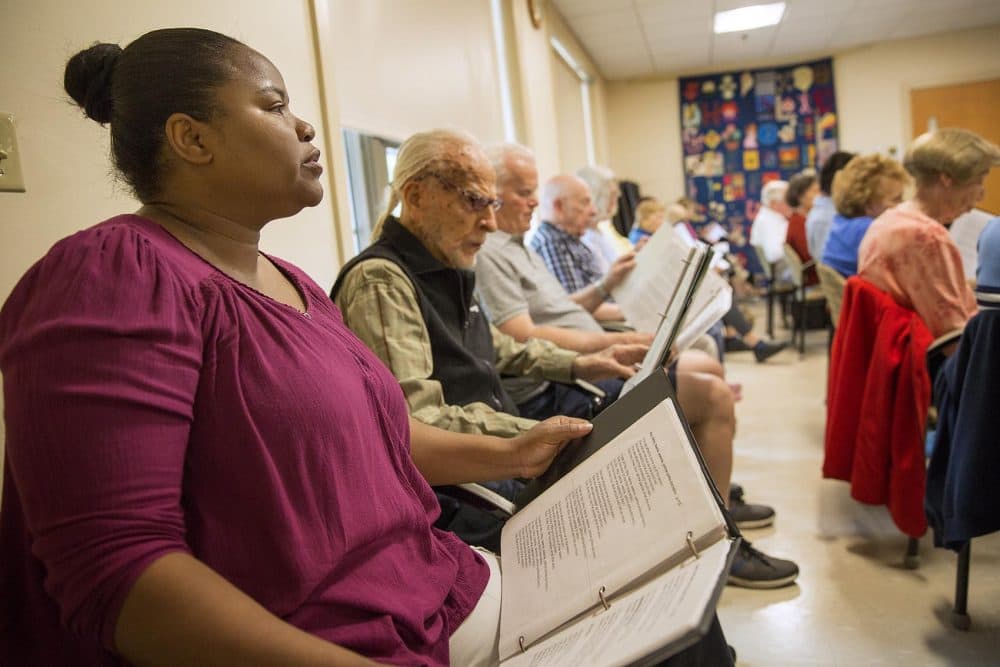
[{"x": 841, "y": 249}]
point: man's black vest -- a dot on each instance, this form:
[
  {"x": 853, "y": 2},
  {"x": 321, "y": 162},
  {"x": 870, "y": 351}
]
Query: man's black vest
[{"x": 461, "y": 342}]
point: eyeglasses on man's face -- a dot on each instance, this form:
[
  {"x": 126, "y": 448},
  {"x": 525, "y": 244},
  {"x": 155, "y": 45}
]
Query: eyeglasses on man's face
[{"x": 476, "y": 202}]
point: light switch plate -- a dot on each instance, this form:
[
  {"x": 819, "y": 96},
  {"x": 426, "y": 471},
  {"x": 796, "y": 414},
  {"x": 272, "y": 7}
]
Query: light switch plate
[{"x": 11, "y": 176}]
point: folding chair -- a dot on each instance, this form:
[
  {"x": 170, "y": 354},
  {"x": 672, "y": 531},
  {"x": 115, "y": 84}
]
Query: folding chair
[
  {"x": 802, "y": 294},
  {"x": 775, "y": 288},
  {"x": 831, "y": 283},
  {"x": 878, "y": 397},
  {"x": 961, "y": 497}
]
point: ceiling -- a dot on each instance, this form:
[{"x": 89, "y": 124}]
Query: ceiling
[{"x": 646, "y": 38}]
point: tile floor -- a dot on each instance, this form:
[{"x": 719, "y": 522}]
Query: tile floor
[{"x": 854, "y": 603}]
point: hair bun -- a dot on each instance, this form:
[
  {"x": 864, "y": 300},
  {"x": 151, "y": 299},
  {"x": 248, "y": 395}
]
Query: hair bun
[{"x": 88, "y": 80}]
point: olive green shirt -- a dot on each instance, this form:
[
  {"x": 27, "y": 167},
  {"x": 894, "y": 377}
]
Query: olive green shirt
[{"x": 379, "y": 303}]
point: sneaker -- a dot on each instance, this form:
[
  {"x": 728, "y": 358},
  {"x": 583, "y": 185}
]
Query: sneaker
[
  {"x": 748, "y": 515},
  {"x": 754, "y": 569},
  {"x": 764, "y": 351}
]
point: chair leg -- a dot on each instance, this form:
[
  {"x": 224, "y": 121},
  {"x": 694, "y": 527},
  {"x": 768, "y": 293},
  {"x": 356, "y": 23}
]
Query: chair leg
[
  {"x": 802, "y": 322},
  {"x": 959, "y": 615},
  {"x": 912, "y": 559},
  {"x": 770, "y": 313}
]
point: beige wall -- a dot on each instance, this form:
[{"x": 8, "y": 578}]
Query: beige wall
[
  {"x": 385, "y": 66},
  {"x": 572, "y": 131},
  {"x": 533, "y": 80},
  {"x": 403, "y": 67},
  {"x": 645, "y": 135},
  {"x": 560, "y": 30},
  {"x": 537, "y": 84},
  {"x": 65, "y": 156},
  {"x": 872, "y": 86}
]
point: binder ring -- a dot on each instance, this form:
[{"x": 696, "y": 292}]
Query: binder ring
[
  {"x": 691, "y": 546},
  {"x": 604, "y": 602},
  {"x": 520, "y": 642}
]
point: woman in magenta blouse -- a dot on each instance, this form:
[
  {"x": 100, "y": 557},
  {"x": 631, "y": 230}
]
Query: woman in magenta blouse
[{"x": 203, "y": 465}]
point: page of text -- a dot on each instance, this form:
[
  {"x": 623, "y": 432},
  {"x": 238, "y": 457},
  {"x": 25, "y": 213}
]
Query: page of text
[
  {"x": 644, "y": 294},
  {"x": 637, "y": 624},
  {"x": 713, "y": 299},
  {"x": 616, "y": 516}
]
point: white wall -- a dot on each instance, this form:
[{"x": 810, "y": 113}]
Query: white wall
[{"x": 872, "y": 87}]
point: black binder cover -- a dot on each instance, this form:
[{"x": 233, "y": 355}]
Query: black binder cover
[
  {"x": 610, "y": 424},
  {"x": 607, "y": 426}
]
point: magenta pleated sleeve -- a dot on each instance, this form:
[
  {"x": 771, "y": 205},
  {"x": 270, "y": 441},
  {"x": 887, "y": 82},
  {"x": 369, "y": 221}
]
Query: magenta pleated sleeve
[{"x": 155, "y": 405}]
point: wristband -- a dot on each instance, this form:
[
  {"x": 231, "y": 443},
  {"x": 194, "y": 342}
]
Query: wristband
[{"x": 602, "y": 291}]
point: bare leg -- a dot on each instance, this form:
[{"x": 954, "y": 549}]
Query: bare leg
[
  {"x": 696, "y": 361},
  {"x": 707, "y": 402}
]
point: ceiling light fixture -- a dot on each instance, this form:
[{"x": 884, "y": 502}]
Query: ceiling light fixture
[{"x": 749, "y": 18}]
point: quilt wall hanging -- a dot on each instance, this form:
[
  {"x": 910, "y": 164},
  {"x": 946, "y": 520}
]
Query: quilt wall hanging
[{"x": 742, "y": 129}]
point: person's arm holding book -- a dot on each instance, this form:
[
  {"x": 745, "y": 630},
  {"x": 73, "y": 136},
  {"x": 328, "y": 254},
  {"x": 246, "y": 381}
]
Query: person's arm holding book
[
  {"x": 445, "y": 457},
  {"x": 594, "y": 297}
]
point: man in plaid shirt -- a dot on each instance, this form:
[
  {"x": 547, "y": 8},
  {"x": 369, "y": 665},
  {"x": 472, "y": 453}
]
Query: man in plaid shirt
[{"x": 567, "y": 211}]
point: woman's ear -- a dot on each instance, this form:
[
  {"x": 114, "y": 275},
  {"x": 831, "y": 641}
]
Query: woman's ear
[{"x": 186, "y": 139}]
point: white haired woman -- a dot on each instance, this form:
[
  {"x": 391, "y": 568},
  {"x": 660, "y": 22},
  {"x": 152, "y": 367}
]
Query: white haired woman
[{"x": 908, "y": 252}]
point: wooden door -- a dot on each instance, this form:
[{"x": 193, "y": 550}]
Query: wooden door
[{"x": 973, "y": 106}]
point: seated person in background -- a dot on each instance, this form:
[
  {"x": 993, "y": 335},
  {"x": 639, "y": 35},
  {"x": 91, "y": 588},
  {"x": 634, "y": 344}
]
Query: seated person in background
[
  {"x": 679, "y": 218},
  {"x": 770, "y": 227},
  {"x": 567, "y": 211},
  {"x": 907, "y": 251},
  {"x": 602, "y": 238},
  {"x": 802, "y": 190},
  {"x": 410, "y": 297},
  {"x": 525, "y": 301},
  {"x": 965, "y": 231},
  {"x": 204, "y": 466},
  {"x": 650, "y": 215},
  {"x": 737, "y": 335},
  {"x": 740, "y": 337},
  {"x": 988, "y": 268},
  {"x": 821, "y": 214},
  {"x": 866, "y": 187},
  {"x": 715, "y": 235},
  {"x": 961, "y": 499}
]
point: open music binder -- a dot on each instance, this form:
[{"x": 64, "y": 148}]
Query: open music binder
[
  {"x": 680, "y": 301},
  {"x": 619, "y": 552},
  {"x": 666, "y": 273}
]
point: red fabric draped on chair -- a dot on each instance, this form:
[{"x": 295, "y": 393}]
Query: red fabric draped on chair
[{"x": 878, "y": 396}]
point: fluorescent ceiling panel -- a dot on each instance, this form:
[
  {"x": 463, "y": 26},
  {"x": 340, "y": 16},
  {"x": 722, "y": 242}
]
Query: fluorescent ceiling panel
[{"x": 749, "y": 18}]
